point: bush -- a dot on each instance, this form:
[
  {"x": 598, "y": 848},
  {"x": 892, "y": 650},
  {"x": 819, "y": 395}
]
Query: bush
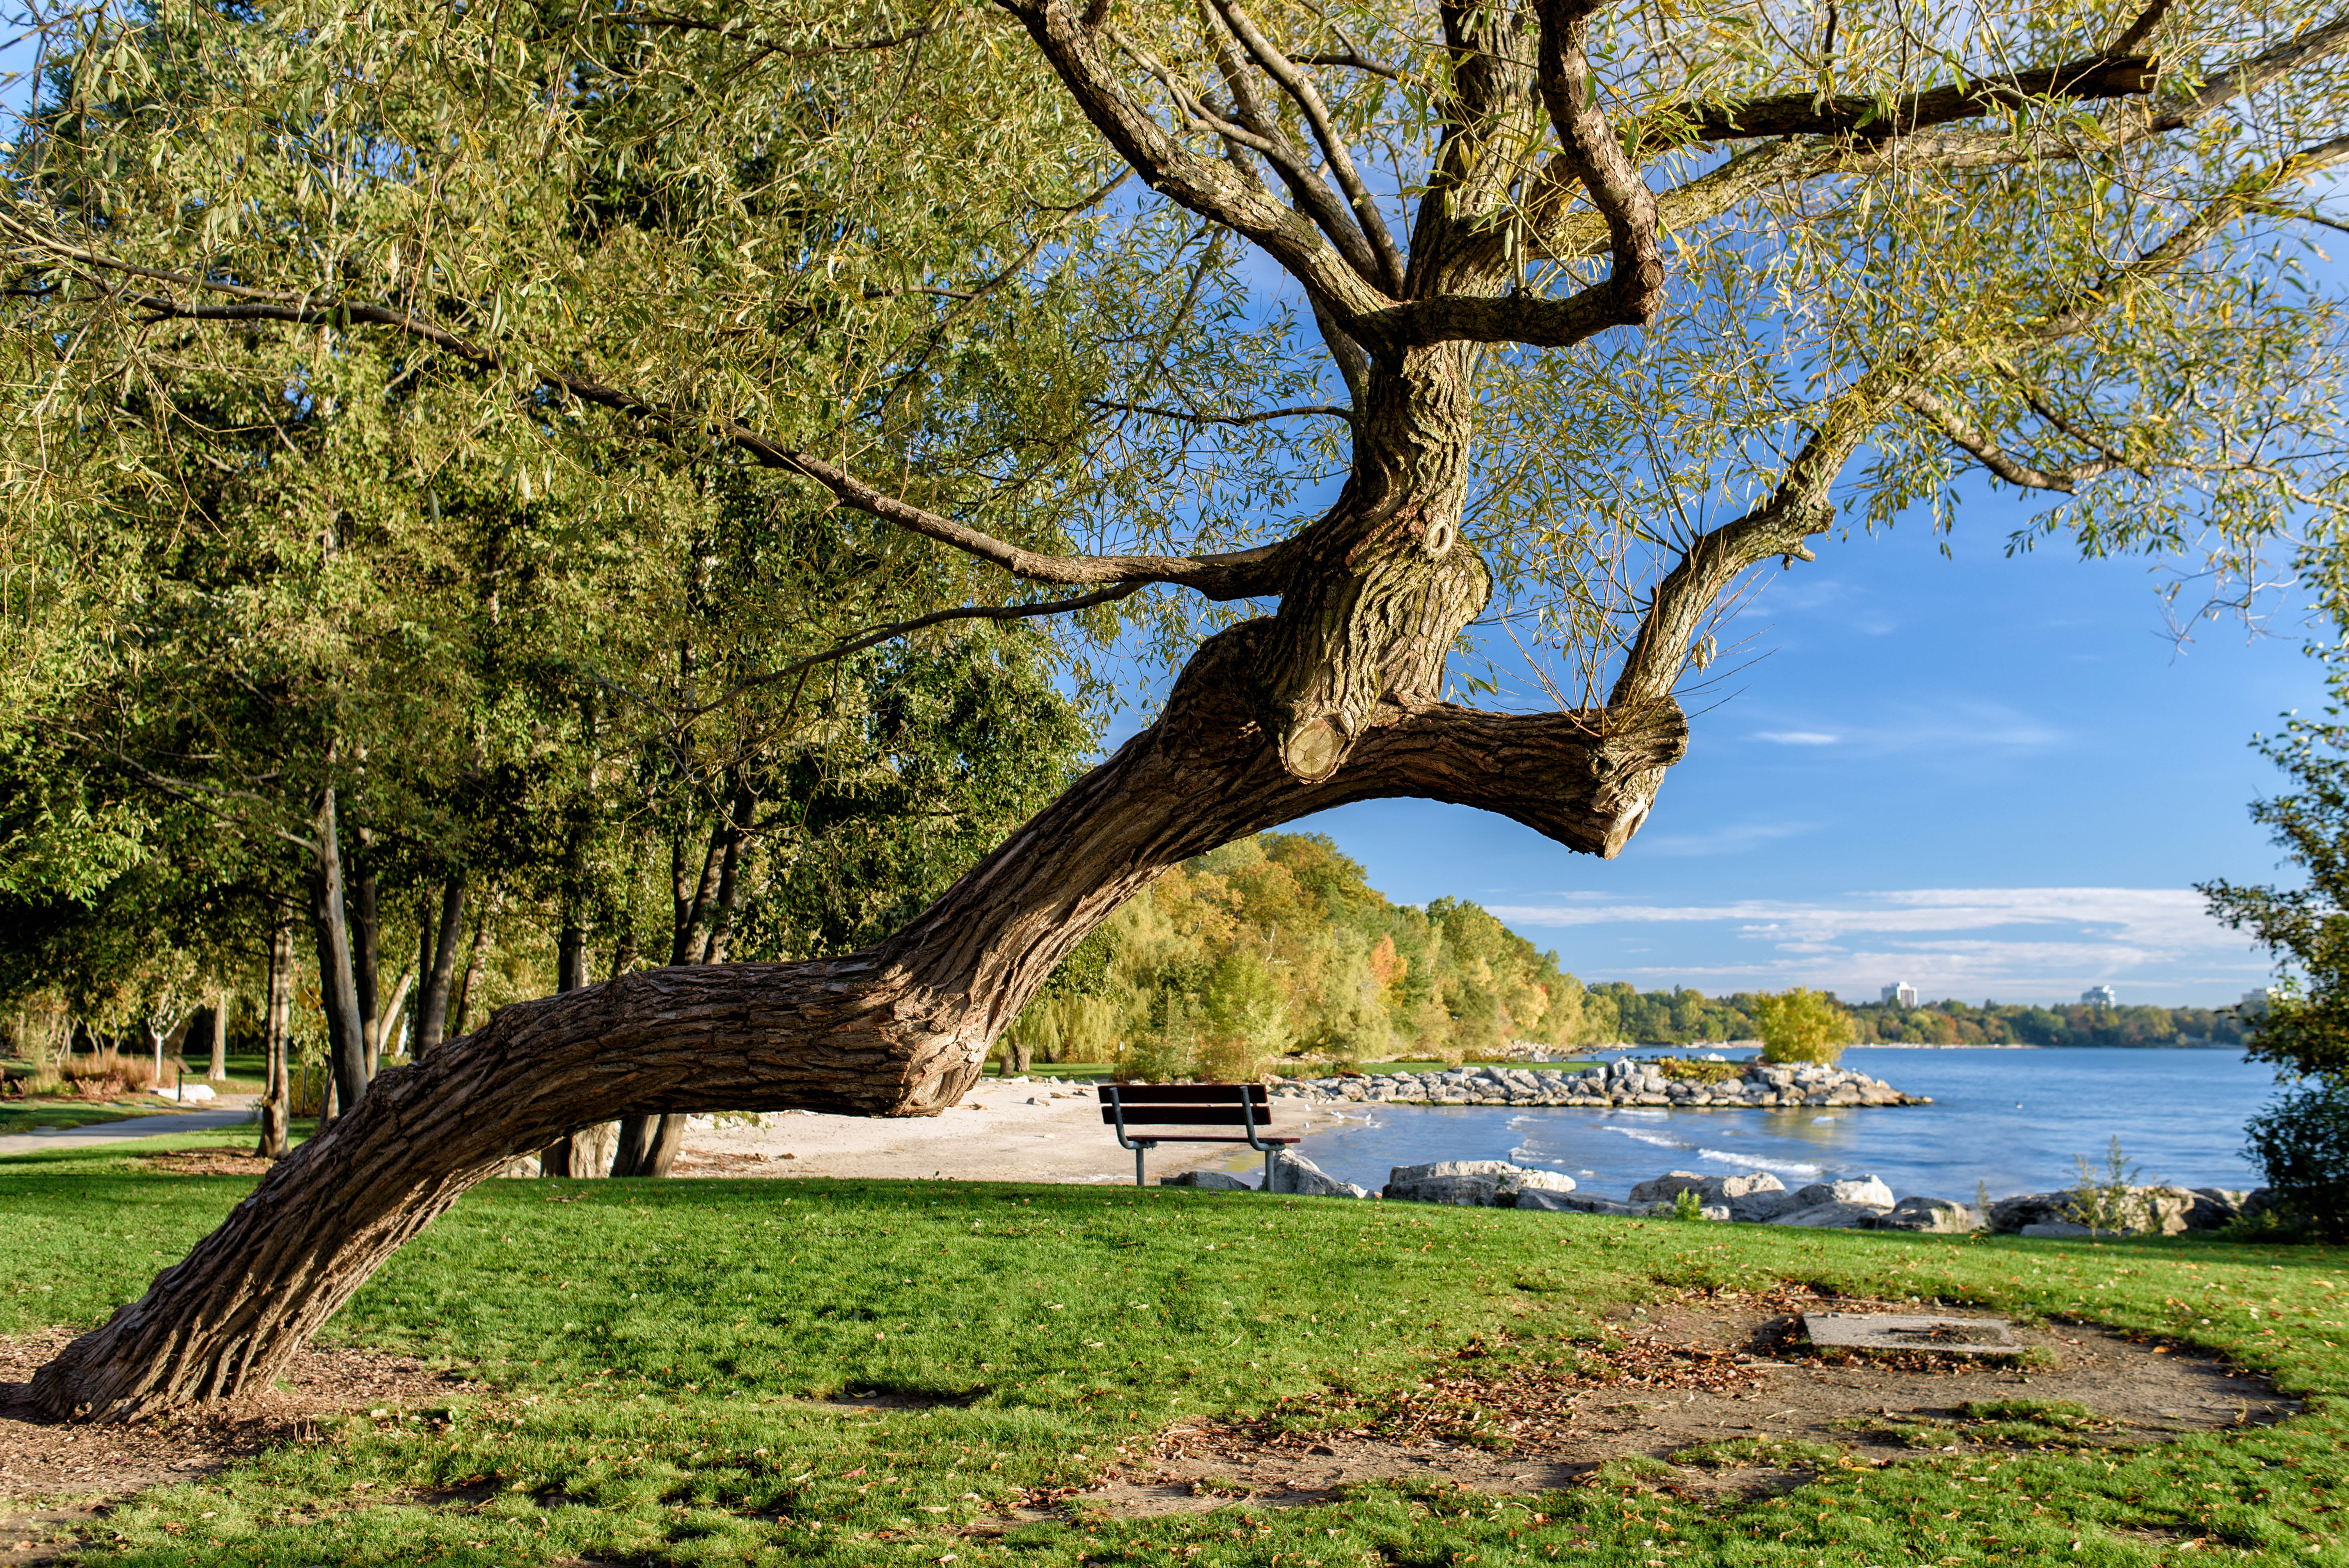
[
  {"x": 1680, "y": 1069},
  {"x": 2302, "y": 1141},
  {"x": 1802, "y": 1026}
]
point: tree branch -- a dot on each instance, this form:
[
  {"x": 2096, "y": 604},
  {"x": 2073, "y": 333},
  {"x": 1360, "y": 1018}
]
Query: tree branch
[
  {"x": 1596, "y": 157},
  {"x": 1987, "y": 452},
  {"x": 1192, "y": 417},
  {"x": 1850, "y": 114},
  {"x": 1236, "y": 575},
  {"x": 1300, "y": 88},
  {"x": 900, "y": 628},
  {"x": 1205, "y": 185}
]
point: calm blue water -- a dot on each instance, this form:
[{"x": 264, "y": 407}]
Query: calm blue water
[{"x": 2013, "y": 1120}]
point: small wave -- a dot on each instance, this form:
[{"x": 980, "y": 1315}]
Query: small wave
[
  {"x": 1640, "y": 1110},
  {"x": 1783, "y": 1167},
  {"x": 1660, "y": 1140}
]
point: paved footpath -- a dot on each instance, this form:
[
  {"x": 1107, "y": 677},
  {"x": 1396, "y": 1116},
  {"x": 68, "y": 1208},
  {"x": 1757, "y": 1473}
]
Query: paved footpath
[{"x": 229, "y": 1110}]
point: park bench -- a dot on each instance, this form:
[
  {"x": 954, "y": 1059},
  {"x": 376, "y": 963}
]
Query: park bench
[{"x": 1246, "y": 1106}]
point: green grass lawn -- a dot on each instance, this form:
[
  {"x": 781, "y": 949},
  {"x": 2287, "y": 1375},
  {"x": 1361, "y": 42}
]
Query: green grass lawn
[{"x": 655, "y": 1352}]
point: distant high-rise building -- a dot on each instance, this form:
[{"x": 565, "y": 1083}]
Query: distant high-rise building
[
  {"x": 2254, "y": 1002},
  {"x": 1903, "y": 993},
  {"x": 2099, "y": 996}
]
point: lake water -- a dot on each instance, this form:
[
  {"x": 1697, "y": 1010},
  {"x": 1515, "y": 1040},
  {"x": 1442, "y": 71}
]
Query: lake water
[{"x": 2014, "y": 1120}]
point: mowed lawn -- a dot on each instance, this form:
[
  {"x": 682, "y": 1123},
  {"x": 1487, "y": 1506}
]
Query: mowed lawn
[{"x": 652, "y": 1350}]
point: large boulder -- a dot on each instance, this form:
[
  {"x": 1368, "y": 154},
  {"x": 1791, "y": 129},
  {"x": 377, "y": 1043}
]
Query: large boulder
[
  {"x": 1934, "y": 1216},
  {"x": 1215, "y": 1180},
  {"x": 1513, "y": 1188},
  {"x": 1870, "y": 1191},
  {"x": 1467, "y": 1184},
  {"x": 1753, "y": 1196},
  {"x": 1294, "y": 1174}
]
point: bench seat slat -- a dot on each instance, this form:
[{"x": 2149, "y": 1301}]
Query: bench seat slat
[
  {"x": 1186, "y": 1116},
  {"x": 1185, "y": 1093}
]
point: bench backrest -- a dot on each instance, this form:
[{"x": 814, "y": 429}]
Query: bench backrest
[{"x": 1186, "y": 1105}]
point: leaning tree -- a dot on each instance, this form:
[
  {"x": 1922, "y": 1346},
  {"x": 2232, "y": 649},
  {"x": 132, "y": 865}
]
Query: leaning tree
[{"x": 1612, "y": 306}]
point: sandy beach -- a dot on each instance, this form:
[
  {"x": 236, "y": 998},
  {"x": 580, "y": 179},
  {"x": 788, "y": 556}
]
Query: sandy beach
[{"x": 1006, "y": 1130}]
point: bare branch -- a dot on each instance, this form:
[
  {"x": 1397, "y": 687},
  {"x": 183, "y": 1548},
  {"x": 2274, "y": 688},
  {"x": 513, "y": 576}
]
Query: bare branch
[{"x": 1351, "y": 61}]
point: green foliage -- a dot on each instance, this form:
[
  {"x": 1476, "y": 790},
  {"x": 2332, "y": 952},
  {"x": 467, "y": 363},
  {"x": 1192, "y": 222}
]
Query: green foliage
[
  {"x": 2302, "y": 1144},
  {"x": 2103, "y": 1197},
  {"x": 1687, "y": 1205},
  {"x": 1276, "y": 945},
  {"x": 1801, "y": 1026}
]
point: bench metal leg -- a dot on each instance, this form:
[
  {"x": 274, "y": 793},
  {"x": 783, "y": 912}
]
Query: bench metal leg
[
  {"x": 1267, "y": 1170},
  {"x": 1139, "y": 1149}
]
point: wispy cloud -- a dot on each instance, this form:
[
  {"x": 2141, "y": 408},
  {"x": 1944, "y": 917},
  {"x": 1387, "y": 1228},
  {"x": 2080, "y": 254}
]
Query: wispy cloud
[
  {"x": 1798, "y": 737},
  {"x": 1947, "y": 940}
]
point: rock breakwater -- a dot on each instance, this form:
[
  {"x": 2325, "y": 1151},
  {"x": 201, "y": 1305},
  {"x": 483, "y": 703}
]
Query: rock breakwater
[{"x": 1760, "y": 1084}]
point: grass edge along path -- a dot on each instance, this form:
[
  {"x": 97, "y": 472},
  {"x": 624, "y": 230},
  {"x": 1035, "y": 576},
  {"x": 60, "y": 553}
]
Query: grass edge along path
[{"x": 660, "y": 1355}]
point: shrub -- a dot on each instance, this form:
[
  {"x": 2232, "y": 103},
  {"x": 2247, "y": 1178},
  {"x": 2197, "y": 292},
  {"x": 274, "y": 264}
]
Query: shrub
[
  {"x": 1680, "y": 1069},
  {"x": 1802, "y": 1026},
  {"x": 2302, "y": 1141}
]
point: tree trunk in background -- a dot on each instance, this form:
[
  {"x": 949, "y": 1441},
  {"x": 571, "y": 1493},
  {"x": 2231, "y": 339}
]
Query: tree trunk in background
[
  {"x": 338, "y": 988},
  {"x": 588, "y": 1150},
  {"x": 650, "y": 1144},
  {"x": 460, "y": 1011},
  {"x": 437, "y": 962},
  {"x": 276, "y": 1096},
  {"x": 217, "y": 1069},
  {"x": 366, "y": 954}
]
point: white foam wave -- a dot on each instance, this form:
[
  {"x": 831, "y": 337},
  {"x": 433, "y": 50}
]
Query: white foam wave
[
  {"x": 1783, "y": 1167},
  {"x": 1640, "y": 1110},
  {"x": 1657, "y": 1138}
]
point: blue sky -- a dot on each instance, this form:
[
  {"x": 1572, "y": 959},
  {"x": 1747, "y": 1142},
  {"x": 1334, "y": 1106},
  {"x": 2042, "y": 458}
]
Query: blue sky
[{"x": 1991, "y": 777}]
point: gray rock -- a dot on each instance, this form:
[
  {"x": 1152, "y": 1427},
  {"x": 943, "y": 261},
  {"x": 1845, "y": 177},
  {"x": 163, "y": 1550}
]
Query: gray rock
[
  {"x": 1830, "y": 1216},
  {"x": 1549, "y": 1202},
  {"x": 1934, "y": 1216},
  {"x": 1867, "y": 1191},
  {"x": 1470, "y": 1191},
  {"x": 1665, "y": 1188},
  {"x": 1216, "y": 1181},
  {"x": 1295, "y": 1174},
  {"x": 1512, "y": 1188},
  {"x": 2060, "y": 1230}
]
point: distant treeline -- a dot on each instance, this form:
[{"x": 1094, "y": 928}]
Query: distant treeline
[{"x": 1613, "y": 1010}]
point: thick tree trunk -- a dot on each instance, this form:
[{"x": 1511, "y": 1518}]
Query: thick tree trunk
[
  {"x": 437, "y": 962},
  {"x": 276, "y": 1094},
  {"x": 217, "y": 1068},
  {"x": 900, "y": 1029}
]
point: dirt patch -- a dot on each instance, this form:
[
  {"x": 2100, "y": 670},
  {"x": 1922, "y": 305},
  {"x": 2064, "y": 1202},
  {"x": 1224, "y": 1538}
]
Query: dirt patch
[
  {"x": 51, "y": 1460},
  {"x": 205, "y": 1162},
  {"x": 1721, "y": 1389}
]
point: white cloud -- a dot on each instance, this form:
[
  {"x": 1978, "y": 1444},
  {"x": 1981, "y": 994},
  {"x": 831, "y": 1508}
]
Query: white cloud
[
  {"x": 1798, "y": 737},
  {"x": 1969, "y": 942}
]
